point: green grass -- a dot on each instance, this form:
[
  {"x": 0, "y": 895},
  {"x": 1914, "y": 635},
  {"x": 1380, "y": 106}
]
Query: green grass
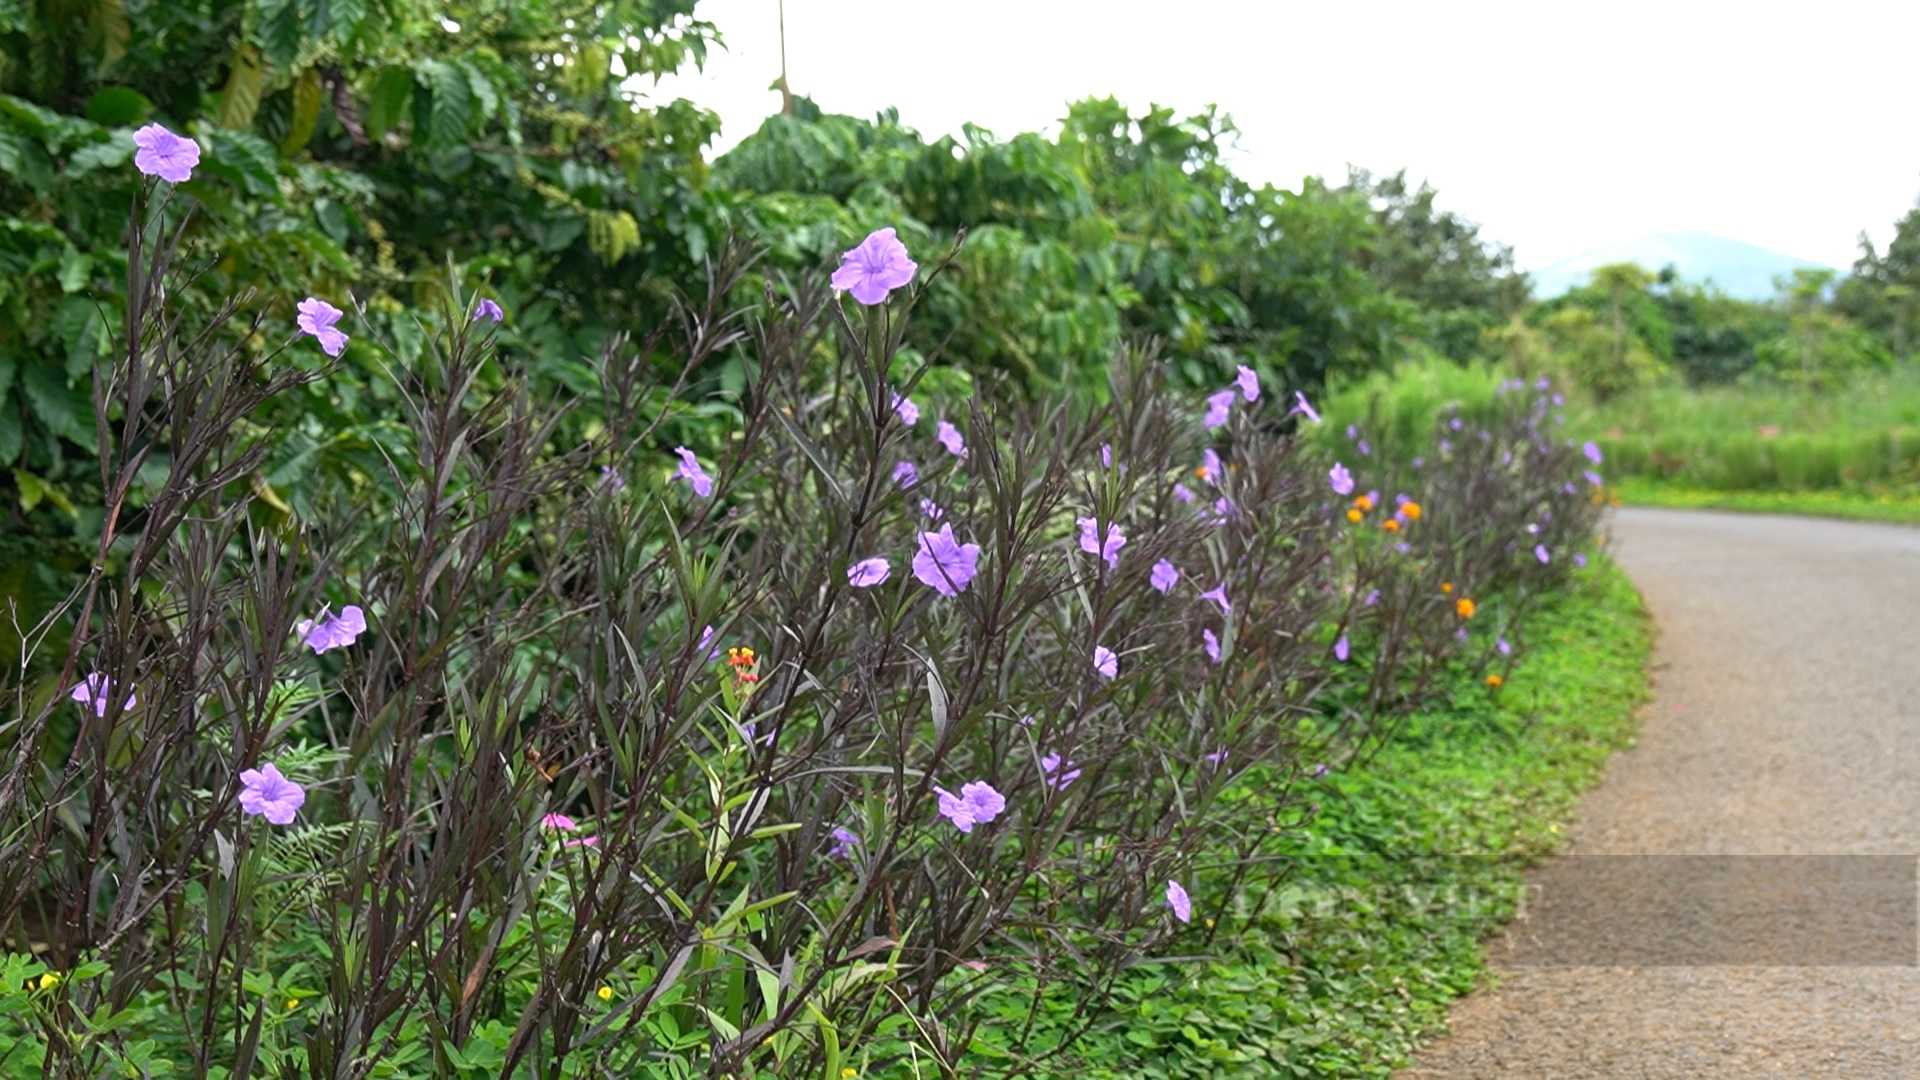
[
  {"x": 1412, "y": 860},
  {"x": 1851, "y": 505}
]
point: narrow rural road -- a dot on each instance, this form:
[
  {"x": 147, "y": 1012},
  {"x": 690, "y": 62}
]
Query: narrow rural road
[{"x": 1739, "y": 895}]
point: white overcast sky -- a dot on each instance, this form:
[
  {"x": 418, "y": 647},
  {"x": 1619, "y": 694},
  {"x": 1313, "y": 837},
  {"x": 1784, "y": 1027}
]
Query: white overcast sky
[{"x": 1558, "y": 126}]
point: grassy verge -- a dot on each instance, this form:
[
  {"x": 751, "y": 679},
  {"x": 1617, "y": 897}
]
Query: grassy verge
[
  {"x": 1414, "y": 857},
  {"x": 1635, "y": 491}
]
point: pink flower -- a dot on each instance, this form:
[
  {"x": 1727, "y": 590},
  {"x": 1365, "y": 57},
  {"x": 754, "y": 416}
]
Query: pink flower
[
  {"x": 163, "y": 154},
  {"x": 558, "y": 821},
  {"x": 867, "y": 573},
  {"x": 943, "y": 564},
  {"x": 585, "y": 841},
  {"x": 875, "y": 268},
  {"x": 1180, "y": 902},
  {"x": 977, "y": 804},
  {"x": 1105, "y": 662},
  {"x": 332, "y": 631},
  {"x": 265, "y": 792},
  {"x": 316, "y": 317}
]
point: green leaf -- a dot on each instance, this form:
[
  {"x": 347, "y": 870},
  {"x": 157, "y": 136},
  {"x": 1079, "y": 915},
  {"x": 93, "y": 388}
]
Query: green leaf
[
  {"x": 390, "y": 102},
  {"x": 245, "y": 158},
  {"x": 347, "y": 15},
  {"x": 110, "y": 154},
  {"x": 450, "y": 105},
  {"x": 76, "y": 269},
  {"x": 279, "y": 29},
  {"x": 12, "y": 433},
  {"x": 246, "y": 80},
  {"x": 118, "y": 106},
  {"x": 54, "y": 401},
  {"x": 309, "y": 92}
]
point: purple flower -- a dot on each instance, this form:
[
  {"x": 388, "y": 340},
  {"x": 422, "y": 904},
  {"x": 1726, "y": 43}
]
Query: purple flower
[
  {"x": 1579, "y": 560},
  {"x": 316, "y": 317},
  {"x": 1373, "y": 497},
  {"x": 1248, "y": 382},
  {"x": 1211, "y": 467},
  {"x": 1222, "y": 510},
  {"x": 1341, "y": 479},
  {"x": 1593, "y": 478},
  {"x": 692, "y": 473},
  {"x": 1568, "y": 488},
  {"x": 844, "y": 841},
  {"x": 1218, "y": 594},
  {"x": 1164, "y": 575},
  {"x": 1592, "y": 450},
  {"x": 1219, "y": 407},
  {"x": 976, "y": 804},
  {"x": 1026, "y": 721},
  {"x": 867, "y": 573},
  {"x": 943, "y": 564},
  {"x": 1352, "y": 432},
  {"x": 1180, "y": 902},
  {"x": 1543, "y": 383},
  {"x": 97, "y": 690},
  {"x": 487, "y": 309},
  {"x": 1321, "y": 769},
  {"x": 1540, "y": 552},
  {"x": 1104, "y": 662},
  {"x": 332, "y": 631},
  {"x": 1215, "y": 758},
  {"x": 875, "y": 268},
  {"x": 1455, "y": 424},
  {"x": 163, "y": 154},
  {"x": 1500, "y": 643},
  {"x": 1559, "y": 399},
  {"x": 1373, "y": 597},
  {"x": 611, "y": 481},
  {"x": 1340, "y": 649},
  {"x": 906, "y": 410},
  {"x": 949, "y": 437},
  {"x": 706, "y": 645},
  {"x": 1183, "y": 493},
  {"x": 1300, "y": 405},
  {"x": 1108, "y": 549},
  {"x": 1365, "y": 450},
  {"x": 931, "y": 510},
  {"x": 1059, "y": 772},
  {"x": 905, "y": 474},
  {"x": 272, "y": 796},
  {"x": 1211, "y": 643}
]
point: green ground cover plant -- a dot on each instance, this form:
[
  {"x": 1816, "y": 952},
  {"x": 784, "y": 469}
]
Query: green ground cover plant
[
  {"x": 1853, "y": 506},
  {"x": 1409, "y": 858}
]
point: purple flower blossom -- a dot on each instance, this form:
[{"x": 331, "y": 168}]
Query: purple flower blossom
[
  {"x": 1373, "y": 597},
  {"x": 1183, "y": 493},
  {"x": 1180, "y": 902},
  {"x": 875, "y": 268},
  {"x": 97, "y": 690},
  {"x": 611, "y": 482},
  {"x": 1104, "y": 662},
  {"x": 267, "y": 793},
  {"x": 1164, "y": 575},
  {"x": 1579, "y": 560},
  {"x": 976, "y": 804},
  {"x": 1222, "y": 510},
  {"x": 1340, "y": 649},
  {"x": 1540, "y": 552},
  {"x": 1341, "y": 479},
  {"x": 1219, "y": 406},
  {"x": 844, "y": 841},
  {"x": 943, "y": 564},
  {"x": 931, "y": 510},
  {"x": 1059, "y": 772},
  {"x": 1559, "y": 400},
  {"x": 1216, "y": 757},
  {"x": 1108, "y": 549},
  {"x": 1568, "y": 488},
  {"x": 1373, "y": 497},
  {"x": 163, "y": 154},
  {"x": 1592, "y": 450},
  {"x": 867, "y": 573},
  {"x": 1211, "y": 643},
  {"x": 316, "y": 317},
  {"x": 1455, "y": 424},
  {"x": 1248, "y": 382},
  {"x": 1352, "y": 432},
  {"x": 1365, "y": 449},
  {"x": 1500, "y": 644},
  {"x": 1026, "y": 721},
  {"x": 1300, "y": 405},
  {"x": 558, "y": 822},
  {"x": 706, "y": 645},
  {"x": 487, "y": 309},
  {"x": 1106, "y": 455},
  {"x": 1593, "y": 478},
  {"x": 1211, "y": 467},
  {"x": 692, "y": 473},
  {"x": 906, "y": 410},
  {"x": 949, "y": 437},
  {"x": 905, "y": 474},
  {"x": 1321, "y": 769},
  {"x": 1218, "y": 594},
  {"x": 332, "y": 631}
]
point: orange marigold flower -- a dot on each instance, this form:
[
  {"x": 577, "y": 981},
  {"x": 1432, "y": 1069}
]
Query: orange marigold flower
[
  {"x": 1364, "y": 503},
  {"x": 1390, "y": 525},
  {"x": 1411, "y": 509},
  {"x": 1353, "y": 516},
  {"x": 1446, "y": 586},
  {"x": 1464, "y": 606},
  {"x": 1495, "y": 681}
]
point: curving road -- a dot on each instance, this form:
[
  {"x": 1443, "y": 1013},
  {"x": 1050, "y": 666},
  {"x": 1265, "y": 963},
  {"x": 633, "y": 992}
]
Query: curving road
[{"x": 1740, "y": 894}]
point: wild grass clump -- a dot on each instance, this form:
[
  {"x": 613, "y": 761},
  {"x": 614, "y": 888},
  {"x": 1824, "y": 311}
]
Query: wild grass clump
[{"x": 520, "y": 754}]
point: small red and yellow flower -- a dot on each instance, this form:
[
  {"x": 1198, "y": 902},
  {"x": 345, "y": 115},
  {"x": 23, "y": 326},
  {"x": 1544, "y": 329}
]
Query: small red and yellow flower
[
  {"x": 744, "y": 665},
  {"x": 1495, "y": 681},
  {"x": 1465, "y": 607}
]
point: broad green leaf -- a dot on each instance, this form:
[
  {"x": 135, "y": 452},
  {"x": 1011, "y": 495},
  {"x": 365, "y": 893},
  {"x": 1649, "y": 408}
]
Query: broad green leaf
[
  {"x": 279, "y": 29},
  {"x": 450, "y": 102},
  {"x": 246, "y": 80},
  {"x": 390, "y": 102},
  {"x": 309, "y": 92},
  {"x": 112, "y": 153},
  {"x": 118, "y": 106}
]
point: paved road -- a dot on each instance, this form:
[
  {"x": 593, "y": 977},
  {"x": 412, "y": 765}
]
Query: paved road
[{"x": 1739, "y": 897}]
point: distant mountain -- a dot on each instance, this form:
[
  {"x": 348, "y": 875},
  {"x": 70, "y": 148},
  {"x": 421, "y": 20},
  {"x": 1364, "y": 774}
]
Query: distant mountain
[{"x": 1740, "y": 270}]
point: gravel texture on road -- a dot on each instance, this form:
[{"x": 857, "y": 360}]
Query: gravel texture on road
[{"x": 1739, "y": 896}]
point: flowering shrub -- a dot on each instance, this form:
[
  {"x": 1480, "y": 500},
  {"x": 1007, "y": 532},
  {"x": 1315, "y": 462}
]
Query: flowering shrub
[{"x": 601, "y": 758}]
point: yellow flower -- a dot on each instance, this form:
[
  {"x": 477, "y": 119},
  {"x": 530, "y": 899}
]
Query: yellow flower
[
  {"x": 1446, "y": 586},
  {"x": 1390, "y": 525},
  {"x": 1411, "y": 509},
  {"x": 50, "y": 980},
  {"x": 1353, "y": 516},
  {"x": 1465, "y": 607},
  {"x": 605, "y": 993},
  {"x": 849, "y": 1073},
  {"x": 1495, "y": 681},
  {"x": 292, "y": 1004}
]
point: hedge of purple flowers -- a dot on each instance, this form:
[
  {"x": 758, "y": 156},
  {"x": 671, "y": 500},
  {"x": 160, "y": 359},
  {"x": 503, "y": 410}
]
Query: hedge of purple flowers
[{"x": 634, "y": 751}]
